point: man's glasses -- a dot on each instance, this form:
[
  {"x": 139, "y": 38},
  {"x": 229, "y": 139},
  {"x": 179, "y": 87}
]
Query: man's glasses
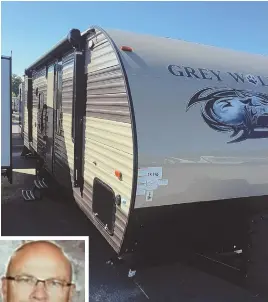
[{"x": 29, "y": 282}]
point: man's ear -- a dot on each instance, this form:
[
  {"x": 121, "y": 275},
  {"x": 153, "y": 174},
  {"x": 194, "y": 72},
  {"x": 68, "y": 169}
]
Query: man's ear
[
  {"x": 4, "y": 289},
  {"x": 71, "y": 294}
]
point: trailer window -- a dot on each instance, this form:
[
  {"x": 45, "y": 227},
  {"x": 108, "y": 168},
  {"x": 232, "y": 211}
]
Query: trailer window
[
  {"x": 50, "y": 86},
  {"x": 40, "y": 101},
  {"x": 41, "y": 111}
]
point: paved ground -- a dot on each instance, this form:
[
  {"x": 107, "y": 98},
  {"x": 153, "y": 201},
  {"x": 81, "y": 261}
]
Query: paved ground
[{"x": 62, "y": 217}]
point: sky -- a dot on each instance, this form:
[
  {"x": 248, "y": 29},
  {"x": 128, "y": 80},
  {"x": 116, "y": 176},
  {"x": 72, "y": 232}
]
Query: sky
[{"x": 30, "y": 29}]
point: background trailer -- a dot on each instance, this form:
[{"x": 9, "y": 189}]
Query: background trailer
[
  {"x": 162, "y": 143},
  {"x": 6, "y": 117}
]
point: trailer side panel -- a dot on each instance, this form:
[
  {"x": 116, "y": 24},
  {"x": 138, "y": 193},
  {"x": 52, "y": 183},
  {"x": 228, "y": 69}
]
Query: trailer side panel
[
  {"x": 202, "y": 120},
  {"x": 108, "y": 142}
]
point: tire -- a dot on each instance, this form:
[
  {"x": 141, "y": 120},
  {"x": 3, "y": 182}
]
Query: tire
[{"x": 257, "y": 255}]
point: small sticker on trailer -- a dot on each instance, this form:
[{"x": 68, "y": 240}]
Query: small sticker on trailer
[
  {"x": 149, "y": 179},
  {"x": 150, "y": 172},
  {"x": 149, "y": 195}
]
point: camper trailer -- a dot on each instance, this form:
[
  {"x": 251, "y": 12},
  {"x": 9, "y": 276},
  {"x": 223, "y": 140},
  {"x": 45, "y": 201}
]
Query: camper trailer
[
  {"x": 6, "y": 117},
  {"x": 162, "y": 142}
]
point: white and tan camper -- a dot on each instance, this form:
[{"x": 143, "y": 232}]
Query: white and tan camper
[{"x": 162, "y": 142}]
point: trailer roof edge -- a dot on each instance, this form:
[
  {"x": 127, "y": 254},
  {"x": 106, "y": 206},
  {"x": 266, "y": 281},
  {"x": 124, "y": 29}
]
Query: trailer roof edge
[{"x": 61, "y": 46}]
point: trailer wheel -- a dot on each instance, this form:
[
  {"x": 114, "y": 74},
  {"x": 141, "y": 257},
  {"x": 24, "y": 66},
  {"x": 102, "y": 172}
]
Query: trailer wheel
[{"x": 257, "y": 255}]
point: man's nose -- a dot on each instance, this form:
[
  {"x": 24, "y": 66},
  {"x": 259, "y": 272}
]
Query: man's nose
[{"x": 39, "y": 292}]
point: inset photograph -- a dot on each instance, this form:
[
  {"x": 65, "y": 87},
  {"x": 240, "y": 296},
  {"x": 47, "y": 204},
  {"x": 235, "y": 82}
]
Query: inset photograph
[{"x": 44, "y": 269}]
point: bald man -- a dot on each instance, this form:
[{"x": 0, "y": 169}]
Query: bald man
[{"x": 38, "y": 272}]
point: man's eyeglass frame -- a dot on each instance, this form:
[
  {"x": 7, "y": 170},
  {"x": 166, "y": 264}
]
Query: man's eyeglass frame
[{"x": 64, "y": 283}]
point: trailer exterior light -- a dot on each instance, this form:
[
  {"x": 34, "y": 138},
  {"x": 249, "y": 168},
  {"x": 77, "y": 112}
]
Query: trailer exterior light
[
  {"x": 126, "y": 48},
  {"x": 118, "y": 174}
]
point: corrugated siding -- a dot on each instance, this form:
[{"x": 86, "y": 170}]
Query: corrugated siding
[
  {"x": 109, "y": 156},
  {"x": 106, "y": 95},
  {"x": 106, "y": 92},
  {"x": 64, "y": 147},
  {"x": 67, "y": 83},
  {"x": 108, "y": 134},
  {"x": 40, "y": 82},
  {"x": 107, "y": 128}
]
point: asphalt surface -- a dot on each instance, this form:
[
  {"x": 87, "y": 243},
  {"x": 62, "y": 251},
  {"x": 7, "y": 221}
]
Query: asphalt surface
[{"x": 61, "y": 217}]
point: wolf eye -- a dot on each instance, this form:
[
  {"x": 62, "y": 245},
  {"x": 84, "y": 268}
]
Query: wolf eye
[
  {"x": 227, "y": 104},
  {"x": 247, "y": 101}
]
